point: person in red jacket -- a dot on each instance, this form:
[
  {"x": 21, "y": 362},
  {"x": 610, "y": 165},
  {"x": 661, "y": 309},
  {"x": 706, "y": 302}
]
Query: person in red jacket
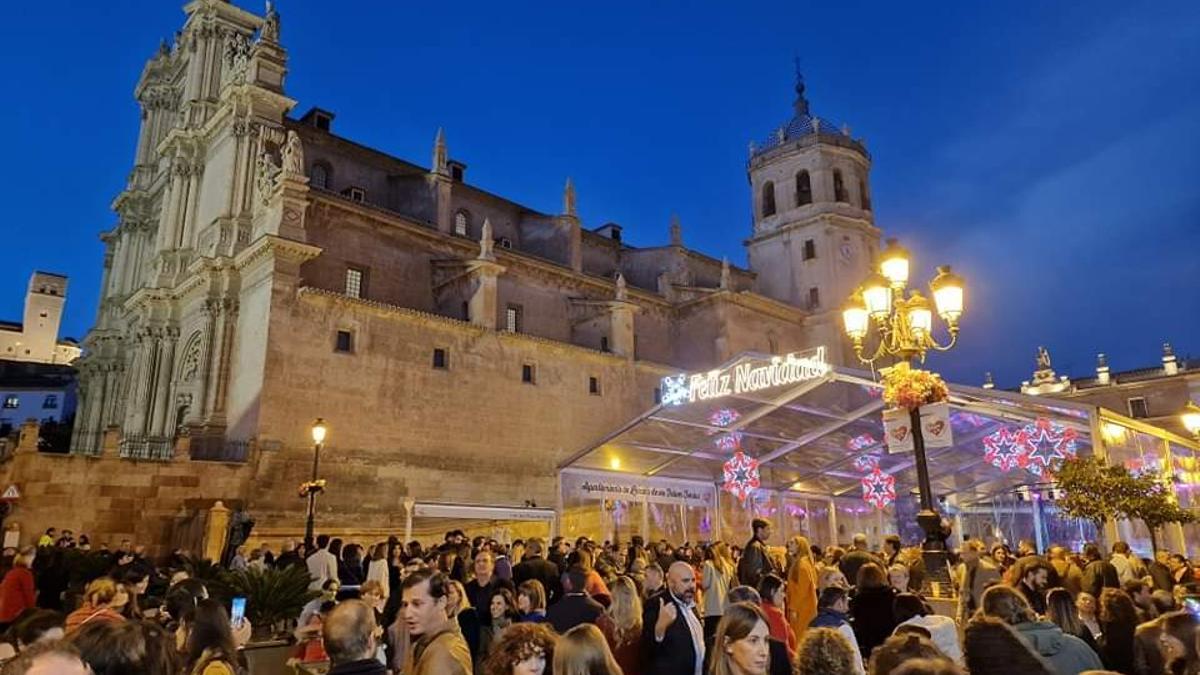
[
  {"x": 17, "y": 590},
  {"x": 774, "y": 593}
]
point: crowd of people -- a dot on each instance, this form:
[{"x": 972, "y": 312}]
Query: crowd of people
[{"x": 478, "y": 606}]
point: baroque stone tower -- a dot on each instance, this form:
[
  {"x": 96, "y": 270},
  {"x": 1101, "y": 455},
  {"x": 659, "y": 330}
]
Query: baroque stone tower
[
  {"x": 814, "y": 236},
  {"x": 205, "y": 207}
]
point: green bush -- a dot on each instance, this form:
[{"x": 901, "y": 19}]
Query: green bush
[{"x": 272, "y": 595}]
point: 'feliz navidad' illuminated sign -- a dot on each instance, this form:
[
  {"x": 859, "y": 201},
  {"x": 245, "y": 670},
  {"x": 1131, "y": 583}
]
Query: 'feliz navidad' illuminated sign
[{"x": 744, "y": 377}]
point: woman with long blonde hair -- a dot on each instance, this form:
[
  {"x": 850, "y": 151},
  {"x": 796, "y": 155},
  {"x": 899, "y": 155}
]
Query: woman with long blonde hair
[
  {"x": 801, "y": 587},
  {"x": 716, "y": 578},
  {"x": 622, "y": 624},
  {"x": 583, "y": 651}
]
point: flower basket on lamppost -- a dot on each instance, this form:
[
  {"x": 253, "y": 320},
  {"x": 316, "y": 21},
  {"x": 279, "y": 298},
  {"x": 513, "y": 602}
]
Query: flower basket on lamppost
[{"x": 902, "y": 323}]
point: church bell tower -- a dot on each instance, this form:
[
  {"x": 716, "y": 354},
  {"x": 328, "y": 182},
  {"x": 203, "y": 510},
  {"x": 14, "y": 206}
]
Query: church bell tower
[{"x": 814, "y": 236}]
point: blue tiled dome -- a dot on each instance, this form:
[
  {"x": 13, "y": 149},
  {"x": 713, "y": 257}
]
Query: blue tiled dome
[{"x": 801, "y": 124}]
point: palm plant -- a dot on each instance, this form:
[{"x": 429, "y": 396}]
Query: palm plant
[{"x": 273, "y": 596}]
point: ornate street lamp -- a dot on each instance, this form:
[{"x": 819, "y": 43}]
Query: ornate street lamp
[
  {"x": 314, "y": 486},
  {"x": 1191, "y": 419},
  {"x": 903, "y": 322}
]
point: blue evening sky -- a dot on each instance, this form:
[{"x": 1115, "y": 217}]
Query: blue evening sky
[{"x": 1050, "y": 151}]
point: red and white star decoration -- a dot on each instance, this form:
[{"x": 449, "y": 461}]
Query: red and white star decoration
[
  {"x": 879, "y": 488},
  {"x": 1005, "y": 447},
  {"x": 1046, "y": 443},
  {"x": 741, "y": 476},
  {"x": 866, "y": 463}
]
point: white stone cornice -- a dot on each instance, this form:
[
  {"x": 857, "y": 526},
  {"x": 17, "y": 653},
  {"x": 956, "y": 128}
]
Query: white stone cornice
[{"x": 269, "y": 244}]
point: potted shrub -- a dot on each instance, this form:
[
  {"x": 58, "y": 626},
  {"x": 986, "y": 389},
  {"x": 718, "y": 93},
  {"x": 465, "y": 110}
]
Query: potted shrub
[{"x": 273, "y": 596}]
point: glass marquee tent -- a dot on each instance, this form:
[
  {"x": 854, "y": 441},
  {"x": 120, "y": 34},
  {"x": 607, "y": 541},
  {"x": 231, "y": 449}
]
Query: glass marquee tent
[{"x": 818, "y": 439}]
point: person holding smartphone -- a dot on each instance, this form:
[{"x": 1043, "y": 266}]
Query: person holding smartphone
[{"x": 208, "y": 639}]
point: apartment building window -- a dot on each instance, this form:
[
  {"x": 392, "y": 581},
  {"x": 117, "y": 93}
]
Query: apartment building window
[
  {"x": 603, "y": 343},
  {"x": 461, "y": 220},
  {"x": 594, "y": 386},
  {"x": 529, "y": 373},
  {"x": 513, "y": 321},
  {"x": 355, "y": 282},
  {"x": 810, "y": 249},
  {"x": 319, "y": 176},
  {"x": 1138, "y": 408},
  {"x": 440, "y": 360},
  {"x": 344, "y": 342},
  {"x": 12, "y": 401},
  {"x": 814, "y": 298},
  {"x": 50, "y": 402}
]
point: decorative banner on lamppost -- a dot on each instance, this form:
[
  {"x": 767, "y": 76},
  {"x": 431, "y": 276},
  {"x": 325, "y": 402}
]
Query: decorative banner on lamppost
[
  {"x": 935, "y": 425},
  {"x": 897, "y": 430},
  {"x": 746, "y": 376}
]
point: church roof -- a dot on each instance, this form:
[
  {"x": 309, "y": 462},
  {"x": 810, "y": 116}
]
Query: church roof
[{"x": 802, "y": 123}]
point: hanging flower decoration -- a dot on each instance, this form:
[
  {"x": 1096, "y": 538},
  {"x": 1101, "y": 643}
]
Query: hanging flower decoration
[
  {"x": 1047, "y": 442},
  {"x": 741, "y": 476},
  {"x": 909, "y": 388},
  {"x": 861, "y": 442},
  {"x": 1005, "y": 447},
  {"x": 879, "y": 488},
  {"x": 866, "y": 463}
]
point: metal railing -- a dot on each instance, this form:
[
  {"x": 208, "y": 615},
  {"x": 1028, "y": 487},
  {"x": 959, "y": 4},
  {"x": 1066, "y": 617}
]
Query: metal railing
[
  {"x": 218, "y": 449},
  {"x": 156, "y": 448}
]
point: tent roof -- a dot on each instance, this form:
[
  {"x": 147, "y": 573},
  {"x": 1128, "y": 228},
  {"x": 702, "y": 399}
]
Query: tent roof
[{"x": 808, "y": 435}]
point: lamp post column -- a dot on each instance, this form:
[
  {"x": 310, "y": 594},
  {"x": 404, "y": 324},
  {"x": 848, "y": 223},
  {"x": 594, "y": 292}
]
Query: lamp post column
[{"x": 312, "y": 498}]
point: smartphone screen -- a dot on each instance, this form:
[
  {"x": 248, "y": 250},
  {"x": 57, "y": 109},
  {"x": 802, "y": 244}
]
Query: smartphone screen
[
  {"x": 238, "y": 611},
  {"x": 1192, "y": 604}
]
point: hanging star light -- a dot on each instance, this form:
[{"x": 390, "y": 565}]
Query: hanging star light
[
  {"x": 879, "y": 488},
  {"x": 861, "y": 442},
  {"x": 1047, "y": 442},
  {"x": 723, "y": 417},
  {"x": 866, "y": 463},
  {"x": 1005, "y": 447},
  {"x": 741, "y": 476}
]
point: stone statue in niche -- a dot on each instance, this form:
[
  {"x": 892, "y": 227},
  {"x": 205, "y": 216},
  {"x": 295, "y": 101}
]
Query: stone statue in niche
[
  {"x": 266, "y": 171},
  {"x": 293, "y": 155},
  {"x": 485, "y": 241}
]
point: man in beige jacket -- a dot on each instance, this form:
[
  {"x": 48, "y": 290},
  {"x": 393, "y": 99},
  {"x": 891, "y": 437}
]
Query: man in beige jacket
[
  {"x": 976, "y": 574},
  {"x": 438, "y": 647}
]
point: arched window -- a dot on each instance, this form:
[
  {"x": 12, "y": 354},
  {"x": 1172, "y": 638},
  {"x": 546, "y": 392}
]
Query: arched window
[
  {"x": 768, "y": 199},
  {"x": 319, "y": 177},
  {"x": 461, "y": 220},
  {"x": 864, "y": 199},
  {"x": 803, "y": 189},
  {"x": 839, "y": 187}
]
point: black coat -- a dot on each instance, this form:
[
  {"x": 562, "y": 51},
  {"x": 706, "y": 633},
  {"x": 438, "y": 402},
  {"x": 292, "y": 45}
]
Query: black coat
[
  {"x": 1099, "y": 575},
  {"x": 676, "y": 654},
  {"x": 780, "y": 663},
  {"x": 541, "y": 570},
  {"x": 573, "y": 610},
  {"x": 871, "y": 617},
  {"x": 363, "y": 667}
]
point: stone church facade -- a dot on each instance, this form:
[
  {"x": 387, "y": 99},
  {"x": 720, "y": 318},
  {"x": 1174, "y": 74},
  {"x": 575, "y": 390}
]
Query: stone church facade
[{"x": 265, "y": 271}]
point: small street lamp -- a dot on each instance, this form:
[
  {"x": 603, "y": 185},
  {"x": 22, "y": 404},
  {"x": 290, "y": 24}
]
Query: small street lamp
[
  {"x": 315, "y": 485},
  {"x": 903, "y": 322},
  {"x": 1191, "y": 419}
]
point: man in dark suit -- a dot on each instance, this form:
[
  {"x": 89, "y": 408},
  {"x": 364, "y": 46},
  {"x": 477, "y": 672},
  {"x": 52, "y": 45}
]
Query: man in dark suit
[
  {"x": 672, "y": 632},
  {"x": 575, "y": 607},
  {"x": 536, "y": 567}
]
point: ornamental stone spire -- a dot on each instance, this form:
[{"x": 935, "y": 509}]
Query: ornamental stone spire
[
  {"x": 676, "y": 231},
  {"x": 440, "y": 158},
  {"x": 569, "y": 198},
  {"x": 726, "y": 275}
]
